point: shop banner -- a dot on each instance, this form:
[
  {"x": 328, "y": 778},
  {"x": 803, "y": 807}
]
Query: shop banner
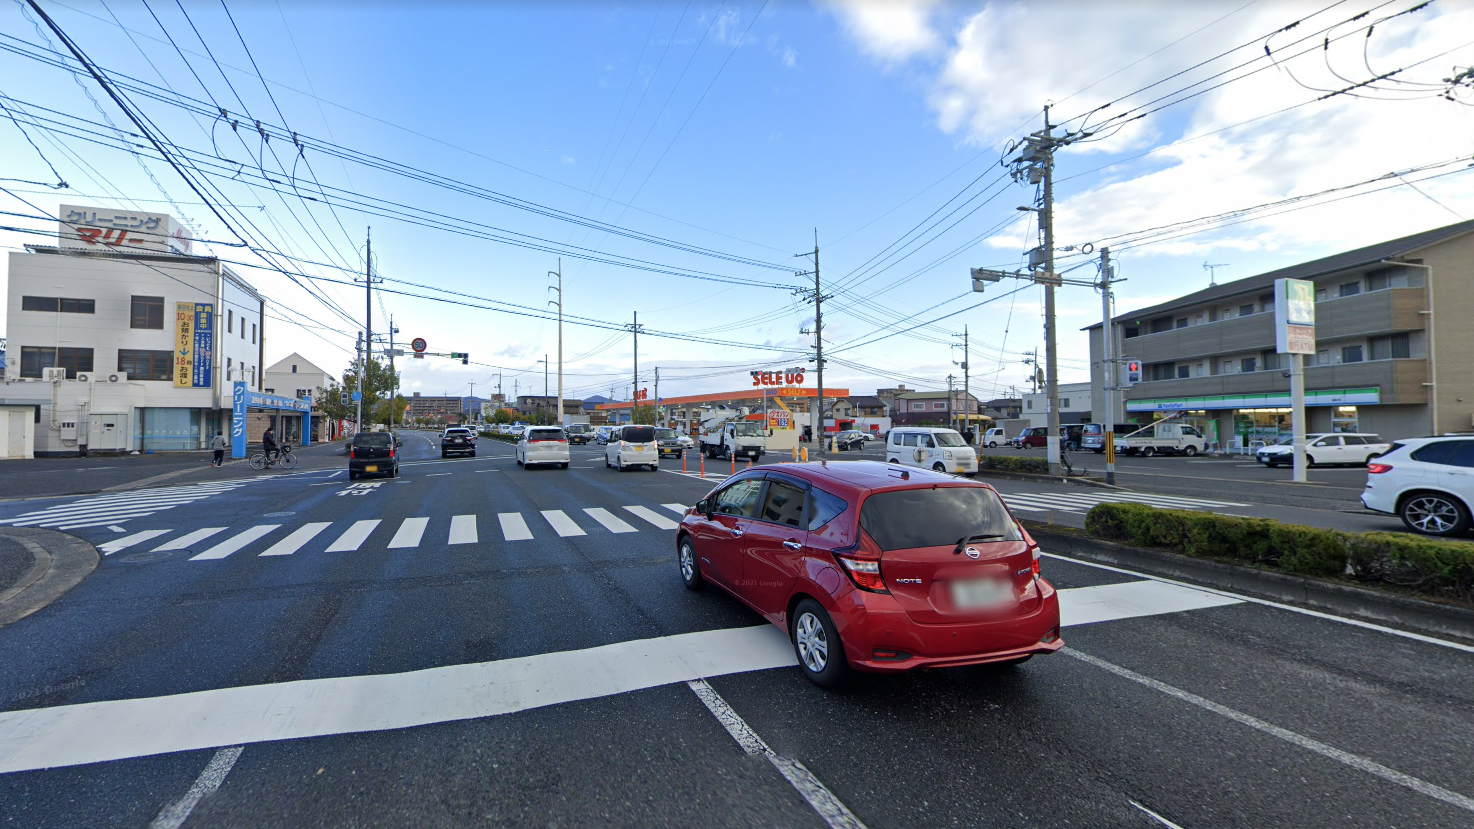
[
  {"x": 184, "y": 345},
  {"x": 204, "y": 345},
  {"x": 238, "y": 420}
]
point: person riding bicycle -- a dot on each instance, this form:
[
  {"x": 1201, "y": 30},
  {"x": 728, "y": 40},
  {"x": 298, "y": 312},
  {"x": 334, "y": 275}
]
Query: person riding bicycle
[{"x": 269, "y": 447}]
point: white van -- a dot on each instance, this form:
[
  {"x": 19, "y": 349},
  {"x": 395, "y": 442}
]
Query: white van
[
  {"x": 632, "y": 446},
  {"x": 993, "y": 438},
  {"x": 942, "y": 450}
]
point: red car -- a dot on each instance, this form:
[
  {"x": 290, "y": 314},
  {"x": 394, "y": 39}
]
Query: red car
[{"x": 873, "y": 567}]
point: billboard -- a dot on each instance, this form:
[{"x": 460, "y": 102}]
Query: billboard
[
  {"x": 184, "y": 345},
  {"x": 1294, "y": 316},
  {"x": 92, "y": 228},
  {"x": 204, "y": 346}
]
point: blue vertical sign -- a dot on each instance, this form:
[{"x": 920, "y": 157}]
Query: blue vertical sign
[
  {"x": 238, "y": 420},
  {"x": 204, "y": 346},
  {"x": 307, "y": 421}
]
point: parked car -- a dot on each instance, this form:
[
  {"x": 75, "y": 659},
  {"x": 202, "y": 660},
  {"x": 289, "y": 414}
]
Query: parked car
[
  {"x": 1427, "y": 482},
  {"x": 1163, "y": 437},
  {"x": 668, "y": 442},
  {"x": 1354, "y": 448},
  {"x": 632, "y": 446},
  {"x": 941, "y": 450},
  {"x": 457, "y": 440},
  {"x": 866, "y": 568},
  {"x": 372, "y": 453},
  {"x": 543, "y": 445},
  {"x": 580, "y": 433},
  {"x": 850, "y": 439},
  {"x": 994, "y": 438},
  {"x": 1034, "y": 437},
  {"x": 601, "y": 435}
]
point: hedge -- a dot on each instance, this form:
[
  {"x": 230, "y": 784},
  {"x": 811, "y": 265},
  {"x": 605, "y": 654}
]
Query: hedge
[
  {"x": 1431, "y": 567},
  {"x": 1007, "y": 463}
]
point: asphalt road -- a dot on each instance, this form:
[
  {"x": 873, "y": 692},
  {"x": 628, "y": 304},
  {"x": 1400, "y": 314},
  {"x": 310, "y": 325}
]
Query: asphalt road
[{"x": 267, "y": 657}]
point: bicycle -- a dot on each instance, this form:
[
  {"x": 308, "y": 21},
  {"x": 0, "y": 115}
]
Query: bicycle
[{"x": 282, "y": 457}]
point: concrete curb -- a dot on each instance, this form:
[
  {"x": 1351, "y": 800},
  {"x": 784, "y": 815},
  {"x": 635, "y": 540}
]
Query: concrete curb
[
  {"x": 1407, "y": 613},
  {"x": 60, "y": 562}
]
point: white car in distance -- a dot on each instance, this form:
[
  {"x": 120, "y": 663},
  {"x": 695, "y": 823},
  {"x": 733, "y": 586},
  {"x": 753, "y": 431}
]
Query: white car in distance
[
  {"x": 542, "y": 445},
  {"x": 632, "y": 446},
  {"x": 1357, "y": 448}
]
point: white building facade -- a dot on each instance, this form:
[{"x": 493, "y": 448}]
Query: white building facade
[
  {"x": 128, "y": 349},
  {"x": 1074, "y": 405}
]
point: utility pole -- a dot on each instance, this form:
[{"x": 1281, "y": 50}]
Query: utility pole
[
  {"x": 558, "y": 420},
  {"x": 1108, "y": 371},
  {"x": 656, "y": 401},
  {"x": 635, "y": 389},
  {"x": 394, "y": 389},
  {"x": 368, "y": 316},
  {"x": 966, "y": 382},
  {"x": 816, "y": 417},
  {"x": 1051, "y": 324},
  {"x": 358, "y": 426},
  {"x": 951, "y": 421}
]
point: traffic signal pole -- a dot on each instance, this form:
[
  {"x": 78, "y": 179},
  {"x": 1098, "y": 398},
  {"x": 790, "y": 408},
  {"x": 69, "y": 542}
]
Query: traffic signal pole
[{"x": 1108, "y": 373}]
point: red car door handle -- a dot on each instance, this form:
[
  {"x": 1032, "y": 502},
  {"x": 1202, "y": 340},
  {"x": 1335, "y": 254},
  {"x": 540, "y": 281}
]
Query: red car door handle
[
  {"x": 736, "y": 532},
  {"x": 793, "y": 545}
]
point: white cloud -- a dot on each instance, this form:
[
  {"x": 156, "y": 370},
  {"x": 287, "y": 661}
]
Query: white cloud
[
  {"x": 891, "y": 30},
  {"x": 568, "y": 159}
]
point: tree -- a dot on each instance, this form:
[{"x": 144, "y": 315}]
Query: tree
[
  {"x": 644, "y": 413},
  {"x": 501, "y": 416},
  {"x": 379, "y": 383}
]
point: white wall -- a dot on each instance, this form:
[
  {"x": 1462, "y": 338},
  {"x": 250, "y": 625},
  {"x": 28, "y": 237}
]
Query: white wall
[{"x": 1036, "y": 406}]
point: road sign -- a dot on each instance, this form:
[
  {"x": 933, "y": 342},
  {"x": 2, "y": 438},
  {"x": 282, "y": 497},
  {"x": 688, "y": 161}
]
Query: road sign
[
  {"x": 357, "y": 396},
  {"x": 419, "y": 345},
  {"x": 393, "y": 352}
]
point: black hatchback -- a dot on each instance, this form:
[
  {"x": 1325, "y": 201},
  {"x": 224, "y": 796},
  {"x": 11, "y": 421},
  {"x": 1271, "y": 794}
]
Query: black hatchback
[{"x": 373, "y": 453}]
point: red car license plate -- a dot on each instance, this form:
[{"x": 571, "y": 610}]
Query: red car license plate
[{"x": 972, "y": 594}]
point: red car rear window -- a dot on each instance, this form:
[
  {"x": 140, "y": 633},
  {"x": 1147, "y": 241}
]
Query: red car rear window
[{"x": 909, "y": 518}]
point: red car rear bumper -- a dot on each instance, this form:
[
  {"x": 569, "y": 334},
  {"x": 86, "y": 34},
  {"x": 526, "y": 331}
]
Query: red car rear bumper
[{"x": 873, "y": 627}]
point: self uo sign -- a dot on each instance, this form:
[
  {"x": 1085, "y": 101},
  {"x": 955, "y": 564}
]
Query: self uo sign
[{"x": 785, "y": 377}]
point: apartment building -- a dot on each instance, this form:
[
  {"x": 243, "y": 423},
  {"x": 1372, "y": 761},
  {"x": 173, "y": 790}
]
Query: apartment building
[{"x": 1395, "y": 348}]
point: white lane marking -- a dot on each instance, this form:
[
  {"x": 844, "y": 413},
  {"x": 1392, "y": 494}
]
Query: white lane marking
[
  {"x": 235, "y": 543},
  {"x": 436, "y": 474},
  {"x": 115, "y": 528},
  {"x": 129, "y": 540},
  {"x": 829, "y": 807},
  {"x": 71, "y": 735},
  {"x": 1158, "y": 818},
  {"x": 409, "y": 533},
  {"x": 513, "y": 527},
  {"x": 299, "y": 536},
  {"x": 462, "y": 529},
  {"x": 175, "y": 814},
  {"x": 562, "y": 524},
  {"x": 660, "y": 521},
  {"x": 611, "y": 522},
  {"x": 1106, "y": 602},
  {"x": 1459, "y": 646},
  {"x": 354, "y": 537},
  {"x": 678, "y": 509},
  {"x": 1355, "y": 761}
]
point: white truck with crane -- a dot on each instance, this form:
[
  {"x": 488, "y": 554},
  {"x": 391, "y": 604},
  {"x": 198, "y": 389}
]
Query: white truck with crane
[{"x": 726, "y": 434}]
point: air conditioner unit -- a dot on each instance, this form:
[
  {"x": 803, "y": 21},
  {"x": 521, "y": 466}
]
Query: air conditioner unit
[
  {"x": 118, "y": 377},
  {"x": 53, "y": 375},
  {"x": 84, "y": 377}
]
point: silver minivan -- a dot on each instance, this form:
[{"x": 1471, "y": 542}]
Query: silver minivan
[
  {"x": 632, "y": 446},
  {"x": 543, "y": 445}
]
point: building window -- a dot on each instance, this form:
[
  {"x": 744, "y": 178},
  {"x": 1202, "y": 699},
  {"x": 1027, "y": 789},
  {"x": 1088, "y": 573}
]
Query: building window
[
  {"x": 1270, "y": 360},
  {"x": 1351, "y": 354},
  {"x": 64, "y": 305},
  {"x": 1029, "y": 403},
  {"x": 1246, "y": 310},
  {"x": 1162, "y": 371},
  {"x": 148, "y": 312},
  {"x": 229, "y": 367},
  {"x": 294, "y": 368},
  {"x": 229, "y": 321},
  {"x": 33, "y": 359},
  {"x": 1322, "y": 358},
  {"x": 939, "y": 406},
  {"x": 1248, "y": 364},
  {"x": 1391, "y": 347},
  {"x": 1184, "y": 372},
  {"x": 1161, "y": 324},
  {"x": 243, "y": 328},
  {"x": 1181, "y": 322},
  {"x": 1350, "y": 289},
  {"x": 1379, "y": 280},
  {"x": 145, "y": 365},
  {"x": 253, "y": 333}
]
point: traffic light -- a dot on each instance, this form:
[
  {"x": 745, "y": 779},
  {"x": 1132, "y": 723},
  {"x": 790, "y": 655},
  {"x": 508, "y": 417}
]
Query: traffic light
[
  {"x": 460, "y": 355},
  {"x": 343, "y": 398},
  {"x": 1133, "y": 372}
]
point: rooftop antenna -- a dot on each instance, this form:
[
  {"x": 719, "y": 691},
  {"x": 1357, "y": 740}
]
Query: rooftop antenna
[{"x": 1212, "y": 275}]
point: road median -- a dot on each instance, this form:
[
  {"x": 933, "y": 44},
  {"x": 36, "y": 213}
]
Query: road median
[{"x": 57, "y": 563}]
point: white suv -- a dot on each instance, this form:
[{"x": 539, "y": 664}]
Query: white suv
[
  {"x": 1323, "y": 449},
  {"x": 1427, "y": 482}
]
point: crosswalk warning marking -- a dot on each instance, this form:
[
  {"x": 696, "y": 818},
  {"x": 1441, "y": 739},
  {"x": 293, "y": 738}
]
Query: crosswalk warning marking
[
  {"x": 300, "y": 536},
  {"x": 660, "y": 521},
  {"x": 409, "y": 533},
  {"x": 128, "y": 541},
  {"x": 462, "y": 530},
  {"x": 513, "y": 527},
  {"x": 354, "y": 537},
  {"x": 678, "y": 509},
  {"x": 114, "y": 508},
  {"x": 187, "y": 540},
  {"x": 235, "y": 543},
  {"x": 611, "y": 522},
  {"x": 562, "y": 524}
]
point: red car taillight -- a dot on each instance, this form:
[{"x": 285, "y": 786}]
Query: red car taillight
[
  {"x": 391, "y": 450},
  {"x": 351, "y": 456},
  {"x": 1378, "y": 468},
  {"x": 1034, "y": 565},
  {"x": 862, "y": 564}
]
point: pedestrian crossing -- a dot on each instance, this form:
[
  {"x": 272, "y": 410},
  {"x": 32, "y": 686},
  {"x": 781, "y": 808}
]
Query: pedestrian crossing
[
  {"x": 411, "y": 533},
  {"x": 1082, "y": 501},
  {"x": 105, "y": 510}
]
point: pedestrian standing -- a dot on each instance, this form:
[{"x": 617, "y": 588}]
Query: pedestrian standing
[{"x": 218, "y": 444}]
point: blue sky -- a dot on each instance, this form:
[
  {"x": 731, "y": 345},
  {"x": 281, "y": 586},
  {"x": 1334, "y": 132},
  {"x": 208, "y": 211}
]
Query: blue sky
[{"x": 741, "y": 132}]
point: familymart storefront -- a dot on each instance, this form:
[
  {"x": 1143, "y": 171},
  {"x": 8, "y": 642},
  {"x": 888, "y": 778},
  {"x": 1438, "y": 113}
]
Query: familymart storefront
[
  {"x": 1242, "y": 422},
  {"x": 252, "y": 412}
]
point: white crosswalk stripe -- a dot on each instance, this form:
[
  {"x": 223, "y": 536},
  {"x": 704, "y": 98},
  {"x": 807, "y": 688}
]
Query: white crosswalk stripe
[
  {"x": 128, "y": 541},
  {"x": 183, "y": 542},
  {"x": 514, "y": 528},
  {"x": 231, "y": 545},
  {"x": 294, "y": 542},
  {"x": 119, "y": 507},
  {"x": 678, "y": 509},
  {"x": 354, "y": 537},
  {"x": 562, "y": 524},
  {"x": 660, "y": 521},
  {"x": 611, "y": 522},
  {"x": 462, "y": 530},
  {"x": 1081, "y": 502},
  {"x": 409, "y": 533}
]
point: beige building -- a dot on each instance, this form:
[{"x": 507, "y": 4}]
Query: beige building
[{"x": 1395, "y": 347}]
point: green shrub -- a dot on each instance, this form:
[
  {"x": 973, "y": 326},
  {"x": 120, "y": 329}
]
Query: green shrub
[
  {"x": 1431, "y": 567},
  {"x": 1005, "y": 463}
]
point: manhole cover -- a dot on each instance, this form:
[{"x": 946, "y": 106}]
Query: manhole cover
[
  {"x": 277, "y": 514},
  {"x": 145, "y": 558}
]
